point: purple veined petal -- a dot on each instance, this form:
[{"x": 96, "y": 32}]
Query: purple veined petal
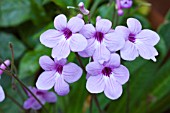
[
  {"x": 71, "y": 72},
  {"x": 46, "y": 63},
  {"x": 60, "y": 22},
  {"x": 78, "y": 42},
  {"x": 147, "y": 52},
  {"x": 87, "y": 76},
  {"x": 61, "y": 87},
  {"x": 46, "y": 80},
  {"x": 114, "y": 41},
  {"x": 103, "y": 25},
  {"x": 121, "y": 74},
  {"x": 126, "y": 3},
  {"x": 95, "y": 84},
  {"x": 123, "y": 31},
  {"x": 90, "y": 49},
  {"x": 3, "y": 67},
  {"x": 51, "y": 38},
  {"x": 113, "y": 90},
  {"x": 62, "y": 62},
  {"x": 101, "y": 54},
  {"x": 50, "y": 97},
  {"x": 148, "y": 37},
  {"x": 36, "y": 105},
  {"x": 88, "y": 31},
  {"x": 111, "y": 30},
  {"x": 28, "y": 103},
  {"x": 134, "y": 26},
  {"x": 2, "y": 94},
  {"x": 114, "y": 61},
  {"x": 94, "y": 68},
  {"x": 75, "y": 24},
  {"x": 62, "y": 50},
  {"x": 129, "y": 51}
]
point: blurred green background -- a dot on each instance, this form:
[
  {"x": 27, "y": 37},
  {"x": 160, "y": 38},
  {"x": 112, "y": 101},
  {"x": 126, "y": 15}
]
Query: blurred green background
[{"x": 22, "y": 22}]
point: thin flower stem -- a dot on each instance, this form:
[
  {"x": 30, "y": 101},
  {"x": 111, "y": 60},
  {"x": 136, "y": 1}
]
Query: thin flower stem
[
  {"x": 91, "y": 103},
  {"x": 97, "y": 103},
  {"x": 80, "y": 62},
  {"x": 128, "y": 97}
]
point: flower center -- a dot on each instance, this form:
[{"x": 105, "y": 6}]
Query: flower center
[
  {"x": 39, "y": 93},
  {"x": 67, "y": 33},
  {"x": 59, "y": 69},
  {"x": 99, "y": 36},
  {"x": 107, "y": 71},
  {"x": 131, "y": 38}
]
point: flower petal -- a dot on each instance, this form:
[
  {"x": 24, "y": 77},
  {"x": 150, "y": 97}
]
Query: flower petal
[
  {"x": 94, "y": 68},
  {"x": 147, "y": 52},
  {"x": 148, "y": 37},
  {"x": 134, "y": 26},
  {"x": 113, "y": 90},
  {"x": 114, "y": 41},
  {"x": 28, "y": 103},
  {"x": 62, "y": 50},
  {"x": 61, "y": 87},
  {"x": 50, "y": 97},
  {"x": 51, "y": 38},
  {"x": 101, "y": 54},
  {"x": 88, "y": 31},
  {"x": 95, "y": 84},
  {"x": 121, "y": 74},
  {"x": 103, "y": 25},
  {"x": 114, "y": 61},
  {"x": 46, "y": 80},
  {"x": 60, "y": 22},
  {"x": 75, "y": 24},
  {"x": 62, "y": 62},
  {"x": 71, "y": 72},
  {"x": 129, "y": 51},
  {"x": 46, "y": 63},
  {"x": 2, "y": 94},
  {"x": 123, "y": 31},
  {"x": 78, "y": 42}
]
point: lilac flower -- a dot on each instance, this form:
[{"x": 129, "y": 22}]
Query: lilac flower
[
  {"x": 43, "y": 95},
  {"x": 83, "y": 9},
  {"x": 138, "y": 41},
  {"x": 108, "y": 77},
  {"x": 58, "y": 74},
  {"x": 2, "y": 94},
  {"x": 101, "y": 40},
  {"x": 65, "y": 37}
]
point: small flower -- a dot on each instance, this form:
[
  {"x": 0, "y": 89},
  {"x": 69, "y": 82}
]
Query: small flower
[
  {"x": 138, "y": 41},
  {"x": 43, "y": 95},
  {"x": 2, "y": 94},
  {"x": 83, "y": 9},
  {"x": 58, "y": 74},
  {"x": 108, "y": 77},
  {"x": 65, "y": 38},
  {"x": 101, "y": 40}
]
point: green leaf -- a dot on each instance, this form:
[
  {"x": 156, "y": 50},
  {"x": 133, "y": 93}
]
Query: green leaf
[{"x": 168, "y": 16}]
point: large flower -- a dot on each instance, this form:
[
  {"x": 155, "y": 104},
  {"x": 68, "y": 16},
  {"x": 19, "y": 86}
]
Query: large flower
[
  {"x": 138, "y": 41},
  {"x": 43, "y": 95},
  {"x": 107, "y": 77},
  {"x": 65, "y": 37},
  {"x": 58, "y": 74},
  {"x": 101, "y": 42}
]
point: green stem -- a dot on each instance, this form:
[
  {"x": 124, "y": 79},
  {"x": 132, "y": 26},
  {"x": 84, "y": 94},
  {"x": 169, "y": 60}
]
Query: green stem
[{"x": 97, "y": 103}]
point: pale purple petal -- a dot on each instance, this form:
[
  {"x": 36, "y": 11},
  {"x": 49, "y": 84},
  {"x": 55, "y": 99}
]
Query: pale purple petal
[
  {"x": 95, "y": 84},
  {"x": 101, "y": 54},
  {"x": 134, "y": 26},
  {"x": 46, "y": 63},
  {"x": 129, "y": 51},
  {"x": 28, "y": 103},
  {"x": 147, "y": 52},
  {"x": 62, "y": 62},
  {"x": 3, "y": 67},
  {"x": 88, "y": 31},
  {"x": 46, "y": 80},
  {"x": 36, "y": 105},
  {"x": 121, "y": 74},
  {"x": 90, "y": 49},
  {"x": 62, "y": 50},
  {"x": 114, "y": 61},
  {"x": 71, "y": 72},
  {"x": 113, "y": 90},
  {"x": 75, "y": 24},
  {"x": 103, "y": 25},
  {"x": 61, "y": 87},
  {"x": 2, "y": 94},
  {"x": 94, "y": 68},
  {"x": 148, "y": 37},
  {"x": 78, "y": 42},
  {"x": 51, "y": 38},
  {"x": 123, "y": 31},
  {"x": 114, "y": 41},
  {"x": 50, "y": 97},
  {"x": 60, "y": 22}
]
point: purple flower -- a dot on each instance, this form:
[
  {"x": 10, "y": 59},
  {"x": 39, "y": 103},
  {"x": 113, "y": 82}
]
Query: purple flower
[
  {"x": 101, "y": 40},
  {"x": 65, "y": 37},
  {"x": 2, "y": 94},
  {"x": 58, "y": 74},
  {"x": 108, "y": 77},
  {"x": 138, "y": 41},
  {"x": 83, "y": 9},
  {"x": 43, "y": 95}
]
